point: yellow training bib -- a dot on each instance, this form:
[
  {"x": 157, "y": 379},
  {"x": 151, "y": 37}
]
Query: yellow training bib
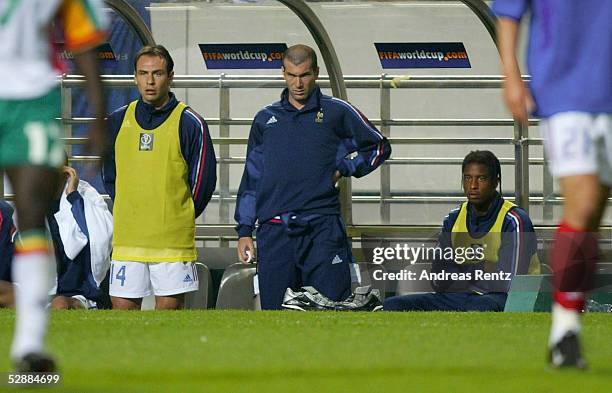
[
  {"x": 490, "y": 242},
  {"x": 153, "y": 213}
]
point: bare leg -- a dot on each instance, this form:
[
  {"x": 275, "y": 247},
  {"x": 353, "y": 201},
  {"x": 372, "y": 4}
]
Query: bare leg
[
  {"x": 573, "y": 258},
  {"x": 174, "y": 302},
  {"x": 122, "y": 303},
  {"x": 60, "y": 303},
  {"x": 66, "y": 303},
  {"x": 7, "y": 298},
  {"x": 575, "y": 252},
  {"x": 604, "y": 194},
  {"x": 585, "y": 200},
  {"x": 34, "y": 263},
  {"x": 34, "y": 188}
]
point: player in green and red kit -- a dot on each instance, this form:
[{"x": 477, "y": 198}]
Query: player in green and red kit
[{"x": 31, "y": 149}]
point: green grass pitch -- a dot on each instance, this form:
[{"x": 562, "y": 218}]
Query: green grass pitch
[{"x": 233, "y": 351}]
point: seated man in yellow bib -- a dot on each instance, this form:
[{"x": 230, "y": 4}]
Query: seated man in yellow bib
[
  {"x": 161, "y": 175},
  {"x": 483, "y": 244}
]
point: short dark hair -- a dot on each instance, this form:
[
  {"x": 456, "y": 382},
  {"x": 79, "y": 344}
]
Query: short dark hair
[
  {"x": 298, "y": 54},
  {"x": 486, "y": 158},
  {"x": 156, "y": 50}
]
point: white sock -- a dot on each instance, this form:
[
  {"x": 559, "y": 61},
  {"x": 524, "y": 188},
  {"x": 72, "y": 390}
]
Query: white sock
[
  {"x": 34, "y": 276},
  {"x": 564, "y": 320}
]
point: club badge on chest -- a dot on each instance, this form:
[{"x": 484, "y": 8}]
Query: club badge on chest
[
  {"x": 146, "y": 141},
  {"x": 319, "y": 116}
]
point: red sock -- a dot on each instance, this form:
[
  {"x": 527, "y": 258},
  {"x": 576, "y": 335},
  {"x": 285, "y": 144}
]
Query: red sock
[
  {"x": 573, "y": 260},
  {"x": 570, "y": 300}
]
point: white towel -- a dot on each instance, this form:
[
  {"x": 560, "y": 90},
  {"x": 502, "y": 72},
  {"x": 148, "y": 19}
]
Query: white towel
[{"x": 99, "y": 225}]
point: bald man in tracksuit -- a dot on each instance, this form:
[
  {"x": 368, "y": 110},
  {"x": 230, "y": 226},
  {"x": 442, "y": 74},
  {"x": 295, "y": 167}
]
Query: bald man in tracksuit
[{"x": 296, "y": 153}]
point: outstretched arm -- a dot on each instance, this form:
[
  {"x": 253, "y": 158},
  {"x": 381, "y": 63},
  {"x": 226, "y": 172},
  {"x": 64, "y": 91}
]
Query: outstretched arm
[
  {"x": 516, "y": 95},
  {"x": 84, "y": 30}
]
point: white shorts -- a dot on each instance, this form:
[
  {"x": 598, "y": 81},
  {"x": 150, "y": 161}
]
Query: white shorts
[
  {"x": 579, "y": 143},
  {"x": 138, "y": 279}
]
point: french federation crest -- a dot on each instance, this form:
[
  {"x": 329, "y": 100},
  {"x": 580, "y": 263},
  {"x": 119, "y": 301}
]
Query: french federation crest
[
  {"x": 146, "y": 141},
  {"x": 319, "y": 116}
]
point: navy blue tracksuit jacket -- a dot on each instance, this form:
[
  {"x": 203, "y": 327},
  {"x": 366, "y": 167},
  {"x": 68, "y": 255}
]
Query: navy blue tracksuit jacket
[
  {"x": 293, "y": 154},
  {"x": 287, "y": 186}
]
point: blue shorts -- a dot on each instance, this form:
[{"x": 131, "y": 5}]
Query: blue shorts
[{"x": 313, "y": 253}]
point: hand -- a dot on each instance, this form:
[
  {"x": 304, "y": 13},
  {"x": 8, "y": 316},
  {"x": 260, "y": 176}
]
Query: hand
[
  {"x": 245, "y": 244},
  {"x": 72, "y": 179},
  {"x": 337, "y": 176},
  {"x": 516, "y": 95},
  {"x": 518, "y": 99}
]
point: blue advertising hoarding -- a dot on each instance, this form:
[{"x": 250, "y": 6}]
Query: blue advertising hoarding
[
  {"x": 243, "y": 56},
  {"x": 105, "y": 54},
  {"x": 422, "y": 55}
]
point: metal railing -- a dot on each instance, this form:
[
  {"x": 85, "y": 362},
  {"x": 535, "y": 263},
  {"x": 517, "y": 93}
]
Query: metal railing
[{"x": 383, "y": 84}]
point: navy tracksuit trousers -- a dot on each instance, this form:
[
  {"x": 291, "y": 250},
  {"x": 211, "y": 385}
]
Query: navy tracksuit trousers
[
  {"x": 296, "y": 251},
  {"x": 447, "y": 301}
]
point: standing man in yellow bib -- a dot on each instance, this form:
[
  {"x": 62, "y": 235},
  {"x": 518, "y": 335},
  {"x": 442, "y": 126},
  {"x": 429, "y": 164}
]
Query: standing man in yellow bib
[
  {"x": 491, "y": 240},
  {"x": 161, "y": 175}
]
